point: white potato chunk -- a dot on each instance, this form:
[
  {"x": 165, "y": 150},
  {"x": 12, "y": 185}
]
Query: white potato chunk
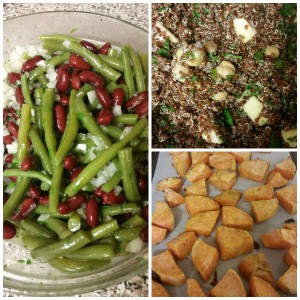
[
  {"x": 195, "y": 58},
  {"x": 210, "y": 47},
  {"x": 253, "y": 108},
  {"x": 173, "y": 39},
  {"x": 243, "y": 29},
  {"x": 224, "y": 71},
  {"x": 290, "y": 137},
  {"x": 226, "y": 63},
  {"x": 272, "y": 51},
  {"x": 221, "y": 96},
  {"x": 179, "y": 72},
  {"x": 212, "y": 137}
]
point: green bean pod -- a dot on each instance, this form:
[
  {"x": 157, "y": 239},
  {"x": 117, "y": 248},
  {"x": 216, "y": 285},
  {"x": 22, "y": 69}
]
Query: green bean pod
[
  {"x": 112, "y": 182},
  {"x": 31, "y": 174},
  {"x": 55, "y": 188},
  {"x": 127, "y": 234},
  {"x": 119, "y": 209},
  {"x": 33, "y": 227},
  {"x": 26, "y": 91},
  {"x": 134, "y": 221},
  {"x": 126, "y": 119},
  {"x": 113, "y": 62},
  {"x": 97, "y": 252},
  {"x": 44, "y": 209},
  {"x": 103, "y": 230},
  {"x": 74, "y": 223},
  {"x": 128, "y": 73},
  {"x": 31, "y": 242},
  {"x": 57, "y": 226},
  {"x": 138, "y": 71}
]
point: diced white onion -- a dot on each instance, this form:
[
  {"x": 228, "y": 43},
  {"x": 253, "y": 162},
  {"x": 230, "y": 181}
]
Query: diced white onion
[
  {"x": 117, "y": 110},
  {"x": 43, "y": 217},
  {"x": 125, "y": 132},
  {"x": 135, "y": 246},
  {"x": 118, "y": 189}
]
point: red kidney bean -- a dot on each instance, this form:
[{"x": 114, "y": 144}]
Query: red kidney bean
[
  {"x": 92, "y": 78},
  {"x": 75, "y": 80},
  {"x": 13, "y": 78},
  {"x": 145, "y": 212},
  {"x": 34, "y": 192},
  {"x": 136, "y": 100},
  {"x": 144, "y": 234},
  {"x": 5, "y": 114},
  {"x": 13, "y": 178},
  {"x": 13, "y": 113},
  {"x": 104, "y": 117},
  {"x": 75, "y": 173},
  {"x": 75, "y": 202},
  {"x": 44, "y": 200},
  {"x": 112, "y": 198},
  {"x": 9, "y": 158},
  {"x": 70, "y": 162},
  {"x": 24, "y": 209},
  {"x": 127, "y": 216},
  {"x": 118, "y": 96},
  {"x": 13, "y": 128},
  {"x": 142, "y": 183},
  {"x": 63, "y": 78},
  {"x": 30, "y": 64},
  {"x": 104, "y": 48},
  {"x": 8, "y": 139},
  {"x": 64, "y": 208},
  {"x": 64, "y": 99},
  {"x": 5, "y": 197},
  {"x": 89, "y": 45},
  {"x": 121, "y": 80},
  {"x": 19, "y": 95},
  {"x": 9, "y": 231},
  {"x": 103, "y": 97},
  {"x": 60, "y": 118},
  {"x": 99, "y": 192},
  {"x": 77, "y": 62},
  {"x": 29, "y": 162},
  {"x": 92, "y": 212},
  {"x": 142, "y": 109}
]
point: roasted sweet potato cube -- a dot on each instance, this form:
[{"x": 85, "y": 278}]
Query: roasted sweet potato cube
[
  {"x": 291, "y": 257},
  {"x": 241, "y": 156},
  {"x": 261, "y": 192},
  {"x": 291, "y": 226},
  {"x": 256, "y": 265},
  {"x": 164, "y": 265},
  {"x": 158, "y": 290},
  {"x": 229, "y": 286},
  {"x": 198, "y": 157},
  {"x": 255, "y": 170},
  {"x": 264, "y": 209},
  {"x": 203, "y": 223},
  {"x": 181, "y": 162},
  {"x": 173, "y": 183},
  {"x": 158, "y": 234},
  {"x": 222, "y": 161},
  {"x": 198, "y": 172},
  {"x": 163, "y": 216},
  {"x": 280, "y": 239},
  {"x": 233, "y": 242},
  {"x": 173, "y": 198},
  {"x": 194, "y": 289},
  {"x": 261, "y": 288},
  {"x": 182, "y": 245},
  {"x": 286, "y": 168},
  {"x": 205, "y": 259},
  {"x": 287, "y": 198},
  {"x": 288, "y": 281},
  {"x": 198, "y": 188},
  {"x": 223, "y": 179},
  {"x": 236, "y": 218},
  {"x": 276, "y": 179},
  {"x": 229, "y": 198},
  {"x": 198, "y": 204}
]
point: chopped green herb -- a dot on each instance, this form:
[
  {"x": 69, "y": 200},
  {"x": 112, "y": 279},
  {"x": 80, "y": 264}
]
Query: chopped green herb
[
  {"x": 172, "y": 124},
  {"x": 214, "y": 74},
  {"x": 288, "y": 9},
  {"x": 20, "y": 260},
  {"x": 270, "y": 104},
  {"x": 292, "y": 139},
  {"x": 279, "y": 63},
  {"x": 189, "y": 55},
  {"x": 292, "y": 107},
  {"x": 252, "y": 89},
  {"x": 232, "y": 56},
  {"x": 196, "y": 5},
  {"x": 166, "y": 44},
  {"x": 259, "y": 56},
  {"x": 28, "y": 262},
  {"x": 167, "y": 108},
  {"x": 194, "y": 79},
  {"x": 197, "y": 17},
  {"x": 228, "y": 117},
  {"x": 206, "y": 11},
  {"x": 80, "y": 116},
  {"x": 73, "y": 30},
  {"x": 161, "y": 9},
  {"x": 275, "y": 142},
  {"x": 229, "y": 77},
  {"x": 11, "y": 185},
  {"x": 15, "y": 160},
  {"x": 154, "y": 60},
  {"x": 213, "y": 58},
  {"x": 284, "y": 103},
  {"x": 164, "y": 53}
]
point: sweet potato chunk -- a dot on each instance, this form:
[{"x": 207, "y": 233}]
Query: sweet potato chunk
[
  {"x": 264, "y": 209},
  {"x": 158, "y": 290},
  {"x": 198, "y": 188},
  {"x": 229, "y": 198},
  {"x": 261, "y": 192},
  {"x": 223, "y": 179},
  {"x": 287, "y": 197},
  {"x": 158, "y": 234},
  {"x": 182, "y": 245},
  {"x": 291, "y": 226},
  {"x": 198, "y": 204},
  {"x": 286, "y": 168},
  {"x": 198, "y": 172},
  {"x": 205, "y": 259},
  {"x": 276, "y": 179},
  {"x": 256, "y": 265},
  {"x": 236, "y": 218},
  {"x": 288, "y": 281},
  {"x": 222, "y": 161},
  {"x": 279, "y": 239},
  {"x": 181, "y": 162},
  {"x": 173, "y": 183},
  {"x": 291, "y": 257},
  {"x": 241, "y": 156},
  {"x": 173, "y": 198},
  {"x": 261, "y": 288},
  {"x": 194, "y": 289},
  {"x": 164, "y": 265},
  {"x": 229, "y": 286},
  {"x": 233, "y": 242},
  {"x": 163, "y": 216},
  {"x": 203, "y": 223},
  {"x": 198, "y": 157},
  {"x": 255, "y": 170}
]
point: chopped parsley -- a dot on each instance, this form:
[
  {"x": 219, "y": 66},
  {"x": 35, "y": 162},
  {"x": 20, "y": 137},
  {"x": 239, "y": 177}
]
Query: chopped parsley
[
  {"x": 213, "y": 58},
  {"x": 228, "y": 117},
  {"x": 252, "y": 89},
  {"x": 197, "y": 17},
  {"x": 165, "y": 51},
  {"x": 194, "y": 79},
  {"x": 166, "y": 44},
  {"x": 259, "y": 56},
  {"x": 288, "y": 9},
  {"x": 214, "y": 74},
  {"x": 189, "y": 55},
  {"x": 232, "y": 56},
  {"x": 275, "y": 142},
  {"x": 292, "y": 139},
  {"x": 279, "y": 63},
  {"x": 229, "y": 77},
  {"x": 80, "y": 116},
  {"x": 154, "y": 60},
  {"x": 206, "y": 11},
  {"x": 167, "y": 108}
]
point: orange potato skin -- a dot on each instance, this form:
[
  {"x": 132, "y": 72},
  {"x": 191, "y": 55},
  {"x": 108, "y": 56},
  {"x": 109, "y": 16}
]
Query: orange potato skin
[
  {"x": 287, "y": 197},
  {"x": 291, "y": 226},
  {"x": 198, "y": 172},
  {"x": 197, "y": 204},
  {"x": 158, "y": 234},
  {"x": 163, "y": 216},
  {"x": 158, "y": 290},
  {"x": 173, "y": 183},
  {"x": 196, "y": 189},
  {"x": 236, "y": 218},
  {"x": 291, "y": 257},
  {"x": 269, "y": 207},
  {"x": 241, "y": 156},
  {"x": 194, "y": 289},
  {"x": 222, "y": 161},
  {"x": 181, "y": 162},
  {"x": 286, "y": 168},
  {"x": 260, "y": 288},
  {"x": 262, "y": 192},
  {"x": 223, "y": 179},
  {"x": 288, "y": 281},
  {"x": 229, "y": 198},
  {"x": 173, "y": 198},
  {"x": 198, "y": 157},
  {"x": 279, "y": 239},
  {"x": 255, "y": 170},
  {"x": 276, "y": 179}
]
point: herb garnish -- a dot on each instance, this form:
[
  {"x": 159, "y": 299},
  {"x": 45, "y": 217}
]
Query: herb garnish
[
  {"x": 228, "y": 117},
  {"x": 288, "y": 9},
  {"x": 252, "y": 89},
  {"x": 259, "y": 56},
  {"x": 165, "y": 51},
  {"x": 232, "y": 56}
]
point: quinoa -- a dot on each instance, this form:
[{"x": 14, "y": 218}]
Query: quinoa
[{"x": 183, "y": 109}]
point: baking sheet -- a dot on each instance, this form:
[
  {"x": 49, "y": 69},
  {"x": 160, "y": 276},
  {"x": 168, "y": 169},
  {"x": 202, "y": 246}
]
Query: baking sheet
[{"x": 164, "y": 168}]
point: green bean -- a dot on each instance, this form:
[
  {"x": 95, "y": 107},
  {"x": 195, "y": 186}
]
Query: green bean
[
  {"x": 103, "y": 230},
  {"x": 38, "y": 119},
  {"x": 119, "y": 209},
  {"x": 103, "y": 158},
  {"x": 112, "y": 52},
  {"x": 113, "y": 62},
  {"x": 138, "y": 71},
  {"x": 47, "y": 115},
  {"x": 127, "y": 234},
  {"x": 111, "y": 86},
  {"x": 144, "y": 134},
  {"x": 129, "y": 180},
  {"x": 114, "y": 131},
  {"x": 97, "y": 252},
  {"x": 32, "y": 242},
  {"x": 42, "y": 79},
  {"x": 126, "y": 119},
  {"x": 58, "y": 37},
  {"x": 26, "y": 91},
  {"x": 31, "y": 174},
  {"x": 74, "y": 223},
  {"x": 111, "y": 183},
  {"x": 60, "y": 248},
  {"x": 142, "y": 146},
  {"x": 69, "y": 265},
  {"x": 121, "y": 248},
  {"x": 128, "y": 74},
  {"x": 57, "y": 226},
  {"x": 55, "y": 188},
  {"x": 44, "y": 209},
  {"x": 144, "y": 61},
  {"x": 33, "y": 227},
  {"x": 38, "y": 93},
  {"x": 107, "y": 241},
  {"x": 45, "y": 186},
  {"x": 133, "y": 221},
  {"x": 40, "y": 150},
  {"x": 88, "y": 188}
]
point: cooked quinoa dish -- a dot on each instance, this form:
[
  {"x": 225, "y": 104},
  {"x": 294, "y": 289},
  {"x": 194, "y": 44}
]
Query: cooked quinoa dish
[{"x": 224, "y": 75}]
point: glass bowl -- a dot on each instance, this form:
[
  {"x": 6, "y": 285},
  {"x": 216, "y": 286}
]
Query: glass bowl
[{"x": 21, "y": 275}]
